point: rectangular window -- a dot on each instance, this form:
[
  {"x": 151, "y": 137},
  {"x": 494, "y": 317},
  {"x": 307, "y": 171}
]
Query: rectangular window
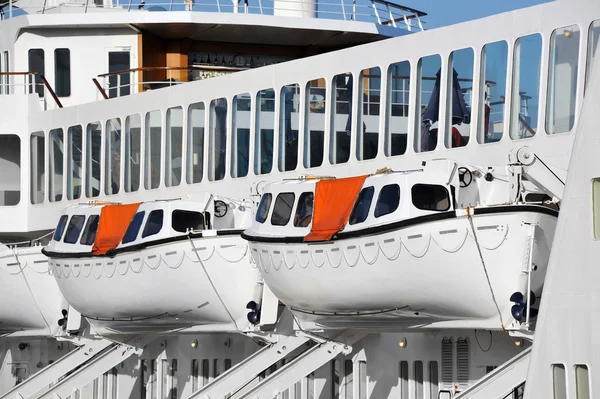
[
  {"x": 596, "y": 206},
  {"x": 494, "y": 59},
  {"x": 362, "y": 380},
  {"x": 55, "y": 182},
  {"x": 593, "y": 39},
  {"x": 559, "y": 381},
  {"x": 314, "y": 126},
  {"x": 37, "y": 66},
  {"x": 119, "y": 84},
  {"x": 174, "y": 158},
  {"x": 404, "y": 380},
  {"x": 93, "y": 156},
  {"x": 460, "y": 84},
  {"x": 369, "y": 103},
  {"x": 133, "y": 152},
  {"x": 152, "y": 381},
  {"x": 265, "y": 126},
  {"x": 525, "y": 86},
  {"x": 288, "y": 127},
  {"x": 62, "y": 72},
  {"x": 112, "y": 175},
  {"x": 205, "y": 371},
  {"x": 74, "y": 162},
  {"x": 195, "y": 374},
  {"x": 433, "y": 380},
  {"x": 165, "y": 371},
  {"x": 428, "y": 103},
  {"x": 582, "y": 381},
  {"x": 418, "y": 379},
  {"x": 398, "y": 94},
  {"x": 341, "y": 118},
  {"x": 153, "y": 150},
  {"x": 562, "y": 80},
  {"x": 195, "y": 143},
  {"x": 335, "y": 379},
  {"x": 6, "y": 69},
  {"x": 10, "y": 157},
  {"x": 173, "y": 392},
  {"x": 349, "y": 379},
  {"x": 240, "y": 135},
  {"x": 38, "y": 167},
  {"x": 218, "y": 139}
]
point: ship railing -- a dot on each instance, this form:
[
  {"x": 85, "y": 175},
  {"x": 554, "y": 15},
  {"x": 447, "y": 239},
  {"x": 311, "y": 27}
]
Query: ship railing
[{"x": 28, "y": 83}]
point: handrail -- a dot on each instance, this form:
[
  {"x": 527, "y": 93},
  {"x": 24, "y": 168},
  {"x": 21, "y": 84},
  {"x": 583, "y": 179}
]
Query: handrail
[
  {"x": 42, "y": 78},
  {"x": 100, "y": 88},
  {"x": 188, "y": 68}
]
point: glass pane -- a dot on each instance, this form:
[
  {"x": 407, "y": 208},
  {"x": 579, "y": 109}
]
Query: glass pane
[
  {"x": 62, "y": 72},
  {"x": 428, "y": 100},
  {"x": 153, "y": 150},
  {"x": 265, "y": 126},
  {"x": 154, "y": 223},
  {"x": 288, "y": 127},
  {"x": 174, "y": 146},
  {"x": 559, "y": 381},
  {"x": 396, "y": 133},
  {"x": 10, "y": 157},
  {"x": 582, "y": 381},
  {"x": 93, "y": 159},
  {"x": 361, "y": 207},
  {"x": 362, "y": 380},
  {"x": 218, "y": 139},
  {"x": 341, "y": 118},
  {"x": 562, "y": 80},
  {"x": 369, "y": 111},
  {"x": 459, "y": 98},
  {"x": 55, "y": 182},
  {"x": 240, "y": 135},
  {"x": 60, "y": 228},
  {"x": 112, "y": 173},
  {"x": 119, "y": 84},
  {"x": 388, "y": 201},
  {"x": 404, "y": 380},
  {"x": 75, "y": 226},
  {"x": 418, "y": 379},
  {"x": 596, "y": 206},
  {"x": 526, "y": 86},
  {"x": 195, "y": 150},
  {"x": 433, "y": 380},
  {"x": 6, "y": 69},
  {"x": 282, "y": 210},
  {"x": 37, "y": 65},
  {"x": 134, "y": 227},
  {"x": 74, "y": 162},
  {"x": 304, "y": 210},
  {"x": 133, "y": 150},
  {"x": 494, "y": 59},
  {"x": 335, "y": 379},
  {"x": 38, "y": 167},
  {"x": 430, "y": 197},
  {"x": 91, "y": 228},
  {"x": 263, "y": 208},
  {"x": 349, "y": 379},
  {"x": 314, "y": 129},
  {"x": 593, "y": 39}
]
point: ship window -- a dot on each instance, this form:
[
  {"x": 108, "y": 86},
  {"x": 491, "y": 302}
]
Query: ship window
[
  {"x": 362, "y": 379},
  {"x": 304, "y": 211},
  {"x": 282, "y": 210},
  {"x": 361, "y": 207},
  {"x": 314, "y": 127},
  {"x": 60, "y": 228},
  {"x": 91, "y": 228},
  {"x": 181, "y": 221},
  {"x": 153, "y": 150},
  {"x": 593, "y": 39},
  {"x": 369, "y": 105},
  {"x": 133, "y": 148},
  {"x": 494, "y": 60},
  {"x": 349, "y": 379},
  {"x": 526, "y": 86},
  {"x": 134, "y": 227},
  {"x": 38, "y": 167},
  {"x": 263, "y": 208},
  {"x": 396, "y": 129},
  {"x": 240, "y": 135},
  {"x": 112, "y": 176},
  {"x": 288, "y": 127},
  {"x": 404, "y": 380},
  {"x": 119, "y": 61},
  {"x": 335, "y": 379},
  {"x": 582, "y": 381},
  {"x": 562, "y": 80},
  {"x": 430, "y": 197},
  {"x": 74, "y": 162},
  {"x": 174, "y": 145},
  {"x": 62, "y": 72},
  {"x": 418, "y": 379},
  {"x": 37, "y": 66},
  {"x": 218, "y": 139},
  {"x": 154, "y": 223},
  {"x": 56, "y": 165},
  {"x": 428, "y": 103},
  {"x": 195, "y": 141},
  {"x": 75, "y": 226},
  {"x": 596, "y": 206},
  {"x": 341, "y": 118},
  {"x": 265, "y": 125},
  {"x": 93, "y": 156},
  {"x": 10, "y": 157},
  {"x": 459, "y": 96},
  {"x": 388, "y": 201},
  {"x": 433, "y": 380},
  {"x": 559, "y": 380}
]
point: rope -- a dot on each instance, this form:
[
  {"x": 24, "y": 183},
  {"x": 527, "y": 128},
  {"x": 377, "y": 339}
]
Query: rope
[{"x": 484, "y": 267}]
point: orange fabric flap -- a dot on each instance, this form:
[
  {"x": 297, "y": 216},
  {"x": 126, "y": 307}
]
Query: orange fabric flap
[
  {"x": 114, "y": 221},
  {"x": 334, "y": 200}
]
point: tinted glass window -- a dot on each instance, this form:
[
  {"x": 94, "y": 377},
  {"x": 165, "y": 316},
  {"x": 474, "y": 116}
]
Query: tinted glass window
[
  {"x": 134, "y": 227},
  {"x": 75, "y": 226},
  {"x": 183, "y": 220},
  {"x": 282, "y": 209},
  {"x": 154, "y": 223},
  {"x": 304, "y": 210},
  {"x": 389, "y": 198},
  {"x": 60, "y": 228},
  {"x": 361, "y": 207},
  {"x": 430, "y": 197},
  {"x": 89, "y": 233},
  {"x": 263, "y": 208}
]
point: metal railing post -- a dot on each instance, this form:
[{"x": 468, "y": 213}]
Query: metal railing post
[
  {"x": 391, "y": 15},
  {"x": 376, "y": 12},
  {"x": 354, "y": 10},
  {"x": 86, "y": 6},
  {"x": 343, "y": 9},
  {"x": 171, "y": 6},
  {"x": 10, "y": 8}
]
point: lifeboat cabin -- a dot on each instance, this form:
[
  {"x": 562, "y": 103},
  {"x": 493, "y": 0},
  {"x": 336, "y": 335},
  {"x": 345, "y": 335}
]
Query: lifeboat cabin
[
  {"x": 156, "y": 265},
  {"x": 396, "y": 249}
]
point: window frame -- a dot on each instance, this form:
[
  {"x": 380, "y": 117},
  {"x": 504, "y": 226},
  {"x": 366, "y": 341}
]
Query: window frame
[
  {"x": 66, "y": 72},
  {"x": 300, "y": 199},
  {"x": 72, "y": 226},
  {"x": 289, "y": 215},
  {"x": 146, "y": 233},
  {"x": 60, "y": 228},
  {"x": 87, "y": 230},
  {"x": 429, "y": 209},
  {"x": 389, "y": 211},
  {"x": 126, "y": 239},
  {"x": 267, "y": 210},
  {"x": 351, "y": 221}
]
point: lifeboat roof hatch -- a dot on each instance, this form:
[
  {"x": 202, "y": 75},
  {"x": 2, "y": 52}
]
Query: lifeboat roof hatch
[{"x": 114, "y": 221}]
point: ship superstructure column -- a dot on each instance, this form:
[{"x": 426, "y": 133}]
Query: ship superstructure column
[{"x": 295, "y": 8}]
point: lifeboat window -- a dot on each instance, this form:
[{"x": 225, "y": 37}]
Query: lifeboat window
[
  {"x": 430, "y": 197},
  {"x": 363, "y": 204},
  {"x": 74, "y": 229},
  {"x": 154, "y": 223},
  {"x": 304, "y": 211},
  {"x": 89, "y": 233},
  {"x": 388, "y": 201},
  {"x": 134, "y": 227},
  {"x": 282, "y": 209},
  {"x": 182, "y": 221},
  {"x": 263, "y": 208},
  {"x": 60, "y": 228}
]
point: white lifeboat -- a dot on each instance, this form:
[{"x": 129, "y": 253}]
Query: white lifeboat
[
  {"x": 156, "y": 265},
  {"x": 396, "y": 250}
]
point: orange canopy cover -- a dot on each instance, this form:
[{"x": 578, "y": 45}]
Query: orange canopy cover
[
  {"x": 334, "y": 200},
  {"x": 114, "y": 220}
]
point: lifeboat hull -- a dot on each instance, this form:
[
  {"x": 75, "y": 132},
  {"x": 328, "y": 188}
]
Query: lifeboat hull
[{"x": 426, "y": 275}]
